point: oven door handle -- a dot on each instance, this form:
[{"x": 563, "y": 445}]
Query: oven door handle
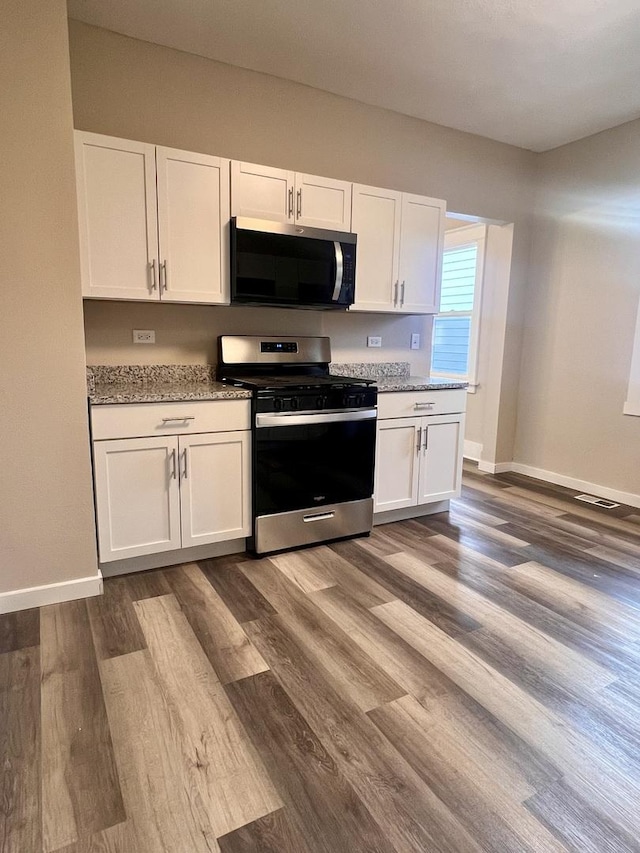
[{"x": 285, "y": 420}]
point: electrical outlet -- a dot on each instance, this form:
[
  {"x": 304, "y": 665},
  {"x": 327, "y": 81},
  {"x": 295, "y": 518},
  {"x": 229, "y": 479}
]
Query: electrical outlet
[
  {"x": 144, "y": 336},
  {"x": 415, "y": 341},
  {"x": 374, "y": 341}
]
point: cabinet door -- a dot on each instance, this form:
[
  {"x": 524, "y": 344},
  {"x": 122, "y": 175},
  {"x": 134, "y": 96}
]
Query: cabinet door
[
  {"x": 397, "y": 464},
  {"x": 421, "y": 247},
  {"x": 215, "y": 487},
  {"x": 376, "y": 221},
  {"x": 323, "y": 203},
  {"x": 137, "y": 496},
  {"x": 262, "y": 192},
  {"x": 193, "y": 226},
  {"x": 116, "y": 185},
  {"x": 441, "y": 458}
]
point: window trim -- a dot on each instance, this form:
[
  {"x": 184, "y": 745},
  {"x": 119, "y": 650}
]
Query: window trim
[
  {"x": 457, "y": 238},
  {"x": 632, "y": 403}
]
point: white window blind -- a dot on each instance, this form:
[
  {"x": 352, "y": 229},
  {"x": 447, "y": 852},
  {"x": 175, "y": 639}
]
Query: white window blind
[{"x": 456, "y": 327}]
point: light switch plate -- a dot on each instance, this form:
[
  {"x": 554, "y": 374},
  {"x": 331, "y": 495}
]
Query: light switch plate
[
  {"x": 374, "y": 341},
  {"x": 415, "y": 341},
  {"x": 144, "y": 336}
]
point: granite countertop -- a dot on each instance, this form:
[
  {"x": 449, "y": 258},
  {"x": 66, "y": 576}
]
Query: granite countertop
[
  {"x": 157, "y": 384},
  {"x": 394, "y": 376},
  {"x": 175, "y": 383},
  {"x": 416, "y": 383}
]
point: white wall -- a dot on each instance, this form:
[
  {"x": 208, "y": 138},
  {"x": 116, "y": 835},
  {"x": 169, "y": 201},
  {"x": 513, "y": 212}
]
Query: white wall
[
  {"x": 46, "y": 510},
  {"x": 583, "y": 293}
]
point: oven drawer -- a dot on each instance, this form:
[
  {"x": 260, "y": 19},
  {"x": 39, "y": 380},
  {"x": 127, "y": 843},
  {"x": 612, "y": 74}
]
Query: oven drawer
[
  {"x": 405, "y": 404},
  {"x": 304, "y": 527},
  {"x": 133, "y": 420}
]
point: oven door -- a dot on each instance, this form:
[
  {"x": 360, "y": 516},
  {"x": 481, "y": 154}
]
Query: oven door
[{"x": 313, "y": 459}]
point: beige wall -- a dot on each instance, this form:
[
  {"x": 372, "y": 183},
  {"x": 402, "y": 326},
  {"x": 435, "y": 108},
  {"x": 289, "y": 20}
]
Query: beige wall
[
  {"x": 137, "y": 90},
  {"x": 581, "y": 310},
  {"x": 46, "y": 512}
]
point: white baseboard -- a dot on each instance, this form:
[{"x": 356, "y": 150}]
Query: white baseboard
[
  {"x": 472, "y": 450},
  {"x": 408, "y": 512},
  {"x": 53, "y": 593},
  {"x": 172, "y": 558},
  {"x": 495, "y": 467},
  {"x": 579, "y": 485}
]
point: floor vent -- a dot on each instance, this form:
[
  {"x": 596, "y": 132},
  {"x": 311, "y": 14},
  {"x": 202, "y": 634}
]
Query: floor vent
[{"x": 592, "y": 499}]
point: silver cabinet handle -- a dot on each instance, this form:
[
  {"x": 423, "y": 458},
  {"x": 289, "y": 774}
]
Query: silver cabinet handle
[
  {"x": 395, "y": 293},
  {"x": 174, "y": 471},
  {"x": 419, "y": 441},
  {"x": 425, "y": 443},
  {"x": 185, "y": 473},
  {"x": 154, "y": 279},
  {"x": 319, "y": 516},
  {"x": 179, "y": 418},
  {"x": 428, "y": 405},
  {"x": 290, "y": 202},
  {"x": 299, "y": 204},
  {"x": 164, "y": 277},
  {"x": 402, "y": 294}
]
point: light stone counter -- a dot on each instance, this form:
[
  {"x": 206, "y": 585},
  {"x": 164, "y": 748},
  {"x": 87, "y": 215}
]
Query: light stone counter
[{"x": 157, "y": 384}]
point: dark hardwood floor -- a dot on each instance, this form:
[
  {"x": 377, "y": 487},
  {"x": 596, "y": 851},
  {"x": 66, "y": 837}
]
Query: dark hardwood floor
[{"x": 462, "y": 682}]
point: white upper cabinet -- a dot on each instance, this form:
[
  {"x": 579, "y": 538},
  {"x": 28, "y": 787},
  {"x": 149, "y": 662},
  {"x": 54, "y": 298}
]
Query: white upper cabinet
[
  {"x": 262, "y": 192},
  {"x": 421, "y": 248},
  {"x": 323, "y": 203},
  {"x": 153, "y": 221},
  {"x": 399, "y": 254},
  {"x": 376, "y": 221},
  {"x": 193, "y": 226},
  {"x": 116, "y": 183}
]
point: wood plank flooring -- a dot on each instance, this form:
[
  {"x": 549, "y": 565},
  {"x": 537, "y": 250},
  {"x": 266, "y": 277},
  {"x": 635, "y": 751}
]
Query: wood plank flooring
[{"x": 462, "y": 682}]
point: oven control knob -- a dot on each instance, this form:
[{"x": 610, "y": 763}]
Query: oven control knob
[
  {"x": 320, "y": 403},
  {"x": 277, "y": 404},
  {"x": 294, "y": 403}
]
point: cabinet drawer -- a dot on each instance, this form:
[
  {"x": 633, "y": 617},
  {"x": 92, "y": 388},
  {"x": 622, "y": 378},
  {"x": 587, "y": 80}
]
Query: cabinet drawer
[
  {"x": 405, "y": 404},
  {"x": 131, "y": 420}
]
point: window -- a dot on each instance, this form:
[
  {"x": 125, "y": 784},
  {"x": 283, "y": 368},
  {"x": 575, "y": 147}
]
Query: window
[{"x": 455, "y": 336}]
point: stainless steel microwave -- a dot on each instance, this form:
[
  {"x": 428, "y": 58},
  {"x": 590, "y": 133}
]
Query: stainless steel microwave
[{"x": 291, "y": 266}]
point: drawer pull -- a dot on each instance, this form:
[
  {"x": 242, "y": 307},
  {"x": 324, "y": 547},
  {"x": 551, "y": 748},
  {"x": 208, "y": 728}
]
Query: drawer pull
[
  {"x": 319, "y": 516},
  {"x": 179, "y": 418},
  {"x": 424, "y": 405}
]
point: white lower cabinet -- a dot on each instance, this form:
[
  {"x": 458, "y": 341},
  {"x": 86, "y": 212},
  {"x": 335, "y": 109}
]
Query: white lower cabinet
[
  {"x": 418, "y": 459},
  {"x": 397, "y": 464},
  {"x": 214, "y": 487},
  {"x": 163, "y": 493},
  {"x": 137, "y": 496}
]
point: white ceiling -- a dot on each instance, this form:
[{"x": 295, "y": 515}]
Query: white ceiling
[{"x": 533, "y": 73}]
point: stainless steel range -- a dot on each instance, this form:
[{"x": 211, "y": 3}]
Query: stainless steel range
[{"x": 313, "y": 440}]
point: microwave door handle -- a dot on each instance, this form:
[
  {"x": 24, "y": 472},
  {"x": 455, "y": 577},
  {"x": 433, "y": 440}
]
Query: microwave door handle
[{"x": 339, "y": 271}]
